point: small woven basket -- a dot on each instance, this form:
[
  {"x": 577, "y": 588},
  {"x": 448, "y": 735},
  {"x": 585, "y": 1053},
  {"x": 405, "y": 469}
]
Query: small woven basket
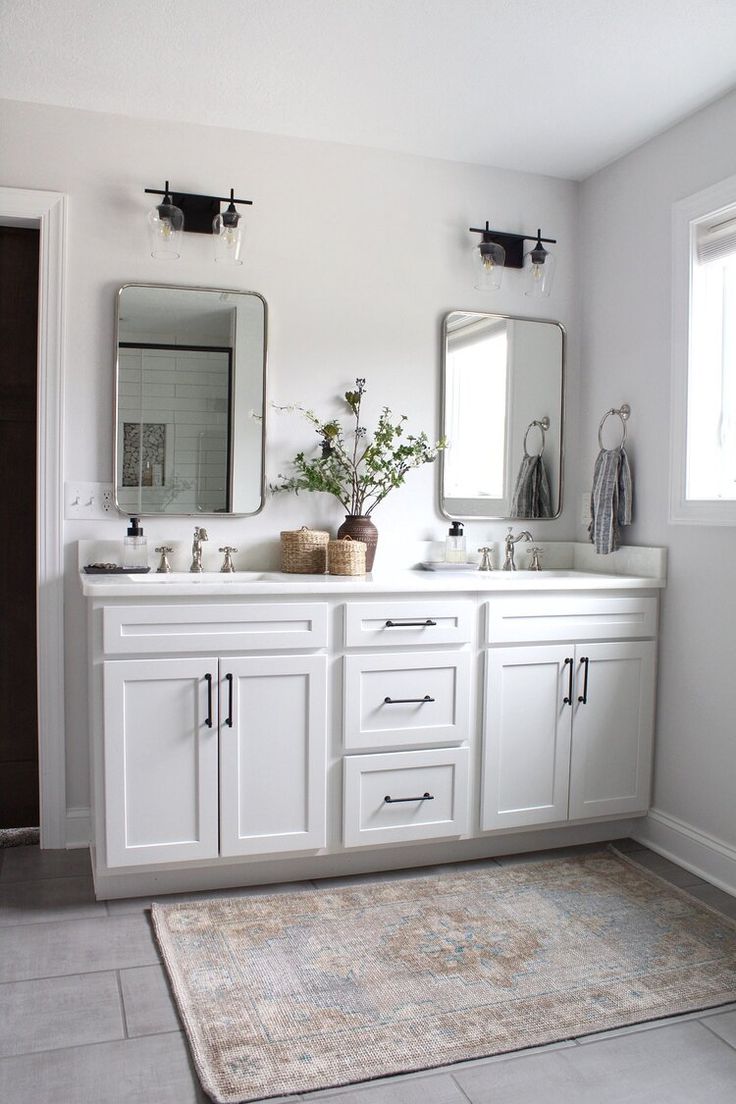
[
  {"x": 304, "y": 551},
  {"x": 346, "y": 557}
]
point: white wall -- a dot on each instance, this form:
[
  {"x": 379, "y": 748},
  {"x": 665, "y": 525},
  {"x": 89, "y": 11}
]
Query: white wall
[
  {"x": 359, "y": 254},
  {"x": 626, "y": 311}
]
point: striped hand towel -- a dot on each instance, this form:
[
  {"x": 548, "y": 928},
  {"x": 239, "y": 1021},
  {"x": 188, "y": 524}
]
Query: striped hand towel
[
  {"x": 532, "y": 497},
  {"x": 610, "y": 500}
]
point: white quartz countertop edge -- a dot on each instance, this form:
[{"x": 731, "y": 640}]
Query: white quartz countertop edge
[{"x": 399, "y": 582}]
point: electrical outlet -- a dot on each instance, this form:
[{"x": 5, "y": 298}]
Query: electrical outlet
[
  {"x": 585, "y": 508},
  {"x": 83, "y": 501},
  {"x": 107, "y": 500}
]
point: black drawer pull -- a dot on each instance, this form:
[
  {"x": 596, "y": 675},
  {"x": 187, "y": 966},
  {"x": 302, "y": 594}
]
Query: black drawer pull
[
  {"x": 408, "y": 701},
  {"x": 229, "y": 718},
  {"x": 568, "y": 699},
  {"x": 411, "y": 624},
  {"x": 208, "y": 719},
  {"x": 583, "y": 698},
  {"x": 397, "y": 800}
]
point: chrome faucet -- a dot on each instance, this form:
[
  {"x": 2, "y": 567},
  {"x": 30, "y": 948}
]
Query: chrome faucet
[
  {"x": 510, "y": 541},
  {"x": 228, "y": 565},
  {"x": 200, "y": 535}
]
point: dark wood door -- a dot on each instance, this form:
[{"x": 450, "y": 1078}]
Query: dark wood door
[{"x": 19, "y": 806}]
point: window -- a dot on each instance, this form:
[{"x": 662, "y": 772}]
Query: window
[{"x": 704, "y": 358}]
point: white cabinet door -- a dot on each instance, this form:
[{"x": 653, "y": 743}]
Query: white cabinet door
[
  {"x": 160, "y": 768},
  {"x": 272, "y": 754},
  {"x": 526, "y": 759},
  {"x": 613, "y": 729}
]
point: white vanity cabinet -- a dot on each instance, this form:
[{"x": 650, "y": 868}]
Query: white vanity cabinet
[
  {"x": 212, "y": 756},
  {"x": 255, "y": 731},
  {"x": 568, "y": 727},
  {"x": 272, "y": 754},
  {"x": 161, "y": 760}
]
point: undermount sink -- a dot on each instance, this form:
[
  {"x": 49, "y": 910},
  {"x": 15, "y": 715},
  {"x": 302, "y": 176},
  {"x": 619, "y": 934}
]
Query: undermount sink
[{"x": 200, "y": 577}]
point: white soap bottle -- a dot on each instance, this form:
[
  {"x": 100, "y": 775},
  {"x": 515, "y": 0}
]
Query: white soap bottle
[
  {"x": 455, "y": 550},
  {"x": 135, "y": 546}
]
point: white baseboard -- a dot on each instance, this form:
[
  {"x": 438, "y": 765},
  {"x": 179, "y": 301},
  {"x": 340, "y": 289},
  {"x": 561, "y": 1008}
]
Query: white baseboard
[
  {"x": 699, "y": 852},
  {"x": 78, "y": 827}
]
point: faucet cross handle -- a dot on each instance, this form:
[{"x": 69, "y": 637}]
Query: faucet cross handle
[
  {"x": 164, "y": 566},
  {"x": 228, "y": 564},
  {"x": 534, "y": 563},
  {"x": 486, "y": 563}
]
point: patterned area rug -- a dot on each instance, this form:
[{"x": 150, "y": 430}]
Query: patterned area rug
[{"x": 292, "y": 992}]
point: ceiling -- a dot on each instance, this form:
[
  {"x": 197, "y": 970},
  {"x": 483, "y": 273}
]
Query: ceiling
[{"x": 553, "y": 86}]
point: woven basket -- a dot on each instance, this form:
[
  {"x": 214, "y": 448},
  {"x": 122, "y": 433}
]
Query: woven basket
[
  {"x": 346, "y": 557},
  {"x": 304, "y": 551}
]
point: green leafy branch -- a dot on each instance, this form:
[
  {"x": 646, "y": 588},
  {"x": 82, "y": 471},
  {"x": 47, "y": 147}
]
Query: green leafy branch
[{"x": 359, "y": 472}]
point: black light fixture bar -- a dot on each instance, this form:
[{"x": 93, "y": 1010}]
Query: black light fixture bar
[
  {"x": 199, "y": 210},
  {"x": 512, "y": 243}
]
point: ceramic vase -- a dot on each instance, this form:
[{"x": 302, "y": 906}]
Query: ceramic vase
[{"x": 361, "y": 528}]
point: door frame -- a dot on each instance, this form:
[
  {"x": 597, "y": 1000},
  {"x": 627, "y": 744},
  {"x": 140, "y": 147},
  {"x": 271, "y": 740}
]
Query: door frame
[{"x": 47, "y": 211}]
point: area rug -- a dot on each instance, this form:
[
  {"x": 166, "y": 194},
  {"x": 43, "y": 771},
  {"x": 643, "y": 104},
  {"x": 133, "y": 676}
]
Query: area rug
[
  {"x": 19, "y": 837},
  {"x": 293, "y": 992}
]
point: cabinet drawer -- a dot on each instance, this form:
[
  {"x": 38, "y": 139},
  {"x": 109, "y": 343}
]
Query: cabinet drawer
[
  {"x": 558, "y": 617},
  {"x": 371, "y": 624},
  {"x": 405, "y": 777},
  {"x": 406, "y": 699},
  {"x": 187, "y": 628}
]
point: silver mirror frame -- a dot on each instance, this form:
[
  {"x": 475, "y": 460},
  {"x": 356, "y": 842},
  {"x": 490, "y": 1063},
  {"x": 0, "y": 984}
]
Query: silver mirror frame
[
  {"x": 443, "y": 414},
  {"x": 116, "y": 381}
]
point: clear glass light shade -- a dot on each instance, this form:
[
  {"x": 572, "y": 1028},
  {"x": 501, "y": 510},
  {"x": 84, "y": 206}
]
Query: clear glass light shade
[
  {"x": 165, "y": 227},
  {"x": 539, "y": 271},
  {"x": 489, "y": 259},
  {"x": 229, "y": 237}
]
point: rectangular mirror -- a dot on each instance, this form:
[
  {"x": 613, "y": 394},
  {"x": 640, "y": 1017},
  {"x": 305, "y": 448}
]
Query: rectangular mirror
[
  {"x": 502, "y": 408},
  {"x": 189, "y": 400}
]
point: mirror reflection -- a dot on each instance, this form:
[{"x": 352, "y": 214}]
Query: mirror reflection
[
  {"x": 189, "y": 397},
  {"x": 503, "y": 382}
]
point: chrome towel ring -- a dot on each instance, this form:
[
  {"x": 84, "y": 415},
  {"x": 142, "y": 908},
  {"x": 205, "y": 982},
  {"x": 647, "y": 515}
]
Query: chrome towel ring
[
  {"x": 542, "y": 425},
  {"x": 624, "y": 413}
]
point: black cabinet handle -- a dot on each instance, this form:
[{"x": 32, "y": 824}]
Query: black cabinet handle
[
  {"x": 208, "y": 720},
  {"x": 397, "y": 800},
  {"x": 229, "y": 718},
  {"x": 583, "y": 698},
  {"x": 411, "y": 624},
  {"x": 408, "y": 701},
  {"x": 568, "y": 699}
]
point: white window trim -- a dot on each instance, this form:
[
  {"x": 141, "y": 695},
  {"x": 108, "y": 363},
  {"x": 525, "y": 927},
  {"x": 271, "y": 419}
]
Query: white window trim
[
  {"x": 685, "y": 511},
  {"x": 47, "y": 212}
]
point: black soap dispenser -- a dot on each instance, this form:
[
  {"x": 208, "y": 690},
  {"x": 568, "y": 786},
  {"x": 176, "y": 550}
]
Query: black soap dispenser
[
  {"x": 455, "y": 549},
  {"x": 135, "y": 547}
]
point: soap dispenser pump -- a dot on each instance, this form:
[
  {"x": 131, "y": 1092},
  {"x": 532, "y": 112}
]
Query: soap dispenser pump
[
  {"x": 135, "y": 547},
  {"x": 455, "y": 550}
]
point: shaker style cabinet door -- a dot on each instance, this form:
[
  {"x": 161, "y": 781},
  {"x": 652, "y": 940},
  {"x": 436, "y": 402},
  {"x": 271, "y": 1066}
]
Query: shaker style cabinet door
[
  {"x": 613, "y": 729},
  {"x": 272, "y": 754},
  {"x": 526, "y": 750},
  {"x": 160, "y": 769}
]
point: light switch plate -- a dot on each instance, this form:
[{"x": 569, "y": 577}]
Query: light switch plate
[
  {"x": 88, "y": 500},
  {"x": 585, "y": 508}
]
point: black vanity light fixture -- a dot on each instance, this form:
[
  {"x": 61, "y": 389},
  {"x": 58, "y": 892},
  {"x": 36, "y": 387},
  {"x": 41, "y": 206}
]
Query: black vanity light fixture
[
  {"x": 498, "y": 249},
  {"x": 189, "y": 212}
]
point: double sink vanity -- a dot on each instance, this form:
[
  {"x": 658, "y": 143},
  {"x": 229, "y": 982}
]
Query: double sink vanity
[
  {"x": 259, "y": 727},
  {"x": 256, "y": 727}
]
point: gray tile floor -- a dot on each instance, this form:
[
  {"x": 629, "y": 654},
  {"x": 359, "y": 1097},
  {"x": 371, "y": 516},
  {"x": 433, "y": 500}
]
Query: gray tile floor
[{"x": 86, "y": 1016}]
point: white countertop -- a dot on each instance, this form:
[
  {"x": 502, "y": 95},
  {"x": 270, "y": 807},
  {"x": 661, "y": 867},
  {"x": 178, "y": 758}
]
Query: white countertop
[{"x": 267, "y": 583}]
